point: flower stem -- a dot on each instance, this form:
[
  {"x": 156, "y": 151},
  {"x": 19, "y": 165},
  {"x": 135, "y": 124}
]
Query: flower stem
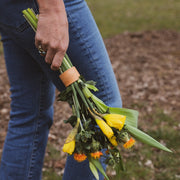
[
  {"x": 30, "y": 19},
  {"x": 69, "y": 61},
  {"x": 81, "y": 95},
  {"x": 75, "y": 101}
]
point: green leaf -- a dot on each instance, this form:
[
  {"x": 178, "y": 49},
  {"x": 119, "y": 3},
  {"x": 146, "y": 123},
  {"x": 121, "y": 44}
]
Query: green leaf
[
  {"x": 143, "y": 137},
  {"x": 121, "y": 164},
  {"x": 87, "y": 123},
  {"x": 65, "y": 95},
  {"x": 72, "y": 120},
  {"x": 91, "y": 82},
  {"x": 100, "y": 104},
  {"x": 94, "y": 170},
  {"x": 98, "y": 165},
  {"x": 92, "y": 87},
  {"x": 131, "y": 115}
]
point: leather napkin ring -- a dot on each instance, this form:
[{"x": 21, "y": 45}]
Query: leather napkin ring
[{"x": 69, "y": 76}]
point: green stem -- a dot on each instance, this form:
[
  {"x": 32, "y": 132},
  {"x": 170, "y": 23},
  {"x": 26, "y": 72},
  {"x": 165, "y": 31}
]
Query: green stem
[
  {"x": 81, "y": 95},
  {"x": 30, "y": 20},
  {"x": 75, "y": 101},
  {"x": 66, "y": 56},
  {"x": 66, "y": 64},
  {"x": 83, "y": 117},
  {"x": 90, "y": 104},
  {"x": 33, "y": 15},
  {"x": 76, "y": 105}
]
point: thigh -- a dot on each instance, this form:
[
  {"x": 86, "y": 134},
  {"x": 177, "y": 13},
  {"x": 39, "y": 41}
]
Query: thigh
[
  {"x": 86, "y": 48},
  {"x": 32, "y": 96},
  {"x": 88, "y": 53}
]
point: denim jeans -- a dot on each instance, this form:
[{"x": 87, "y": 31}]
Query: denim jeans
[{"x": 32, "y": 86}]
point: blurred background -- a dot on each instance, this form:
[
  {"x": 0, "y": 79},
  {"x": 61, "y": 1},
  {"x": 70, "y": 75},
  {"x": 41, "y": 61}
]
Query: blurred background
[{"x": 143, "y": 41}]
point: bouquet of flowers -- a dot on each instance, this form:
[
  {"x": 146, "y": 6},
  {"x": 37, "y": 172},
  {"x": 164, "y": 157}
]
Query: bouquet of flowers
[{"x": 95, "y": 126}]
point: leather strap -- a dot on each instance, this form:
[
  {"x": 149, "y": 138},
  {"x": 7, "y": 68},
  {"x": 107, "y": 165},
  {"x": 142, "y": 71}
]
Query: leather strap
[{"x": 69, "y": 76}]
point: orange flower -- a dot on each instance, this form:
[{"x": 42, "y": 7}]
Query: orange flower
[
  {"x": 79, "y": 157},
  {"x": 129, "y": 143},
  {"x": 96, "y": 155}
]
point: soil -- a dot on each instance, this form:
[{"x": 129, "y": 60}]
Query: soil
[{"x": 147, "y": 68}]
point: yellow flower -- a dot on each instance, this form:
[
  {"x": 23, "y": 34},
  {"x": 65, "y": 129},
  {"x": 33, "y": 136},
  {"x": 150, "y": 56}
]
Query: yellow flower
[
  {"x": 69, "y": 147},
  {"x": 97, "y": 154},
  {"x": 115, "y": 120},
  {"x": 108, "y": 132},
  {"x": 113, "y": 141},
  {"x": 129, "y": 143},
  {"x": 79, "y": 157}
]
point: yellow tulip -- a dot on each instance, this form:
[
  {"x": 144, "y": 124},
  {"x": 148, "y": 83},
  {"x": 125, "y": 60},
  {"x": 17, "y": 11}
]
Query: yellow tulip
[
  {"x": 113, "y": 141},
  {"x": 108, "y": 132},
  {"x": 115, "y": 120},
  {"x": 69, "y": 147}
]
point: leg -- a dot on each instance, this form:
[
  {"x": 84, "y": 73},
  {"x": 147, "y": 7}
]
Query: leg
[
  {"x": 31, "y": 115},
  {"x": 88, "y": 53}
]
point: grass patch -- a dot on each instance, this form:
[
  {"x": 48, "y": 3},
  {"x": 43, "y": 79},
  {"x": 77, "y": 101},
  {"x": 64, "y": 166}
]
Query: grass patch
[
  {"x": 53, "y": 156},
  {"x": 51, "y": 175},
  {"x": 117, "y": 16},
  {"x": 145, "y": 162}
]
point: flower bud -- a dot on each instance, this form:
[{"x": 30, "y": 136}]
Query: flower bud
[
  {"x": 69, "y": 147},
  {"x": 115, "y": 120},
  {"x": 108, "y": 132},
  {"x": 113, "y": 141}
]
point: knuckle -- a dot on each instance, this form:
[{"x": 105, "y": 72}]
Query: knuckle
[
  {"x": 64, "y": 47},
  {"x": 48, "y": 60},
  {"x": 45, "y": 42},
  {"x": 38, "y": 37},
  {"x": 54, "y": 46},
  {"x": 55, "y": 66}
]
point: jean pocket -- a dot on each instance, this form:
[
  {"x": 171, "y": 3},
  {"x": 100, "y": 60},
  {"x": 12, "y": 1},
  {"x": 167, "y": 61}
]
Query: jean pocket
[{"x": 11, "y": 13}]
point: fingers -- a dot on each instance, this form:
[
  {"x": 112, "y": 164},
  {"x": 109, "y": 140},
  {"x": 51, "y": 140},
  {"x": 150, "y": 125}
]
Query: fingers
[
  {"x": 49, "y": 56},
  {"x": 55, "y": 54},
  {"x": 57, "y": 60},
  {"x": 55, "y": 50}
]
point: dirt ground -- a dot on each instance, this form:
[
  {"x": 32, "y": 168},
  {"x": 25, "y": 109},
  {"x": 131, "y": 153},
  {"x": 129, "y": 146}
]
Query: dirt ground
[{"x": 147, "y": 68}]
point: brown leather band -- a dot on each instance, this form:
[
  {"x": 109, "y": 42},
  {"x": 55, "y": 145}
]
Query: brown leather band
[{"x": 69, "y": 76}]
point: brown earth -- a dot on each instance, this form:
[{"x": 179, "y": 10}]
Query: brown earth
[{"x": 147, "y": 68}]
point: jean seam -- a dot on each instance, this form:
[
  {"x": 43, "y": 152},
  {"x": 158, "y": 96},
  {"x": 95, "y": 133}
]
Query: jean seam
[
  {"x": 84, "y": 46},
  {"x": 35, "y": 139}
]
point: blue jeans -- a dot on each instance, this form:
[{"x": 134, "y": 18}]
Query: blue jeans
[{"x": 33, "y": 85}]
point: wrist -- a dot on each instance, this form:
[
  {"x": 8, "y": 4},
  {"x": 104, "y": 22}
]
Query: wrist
[{"x": 48, "y": 6}]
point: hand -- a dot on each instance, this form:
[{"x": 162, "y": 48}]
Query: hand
[{"x": 52, "y": 33}]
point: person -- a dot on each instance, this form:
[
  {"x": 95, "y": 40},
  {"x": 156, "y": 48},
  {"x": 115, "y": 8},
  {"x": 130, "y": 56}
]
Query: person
[{"x": 63, "y": 26}]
